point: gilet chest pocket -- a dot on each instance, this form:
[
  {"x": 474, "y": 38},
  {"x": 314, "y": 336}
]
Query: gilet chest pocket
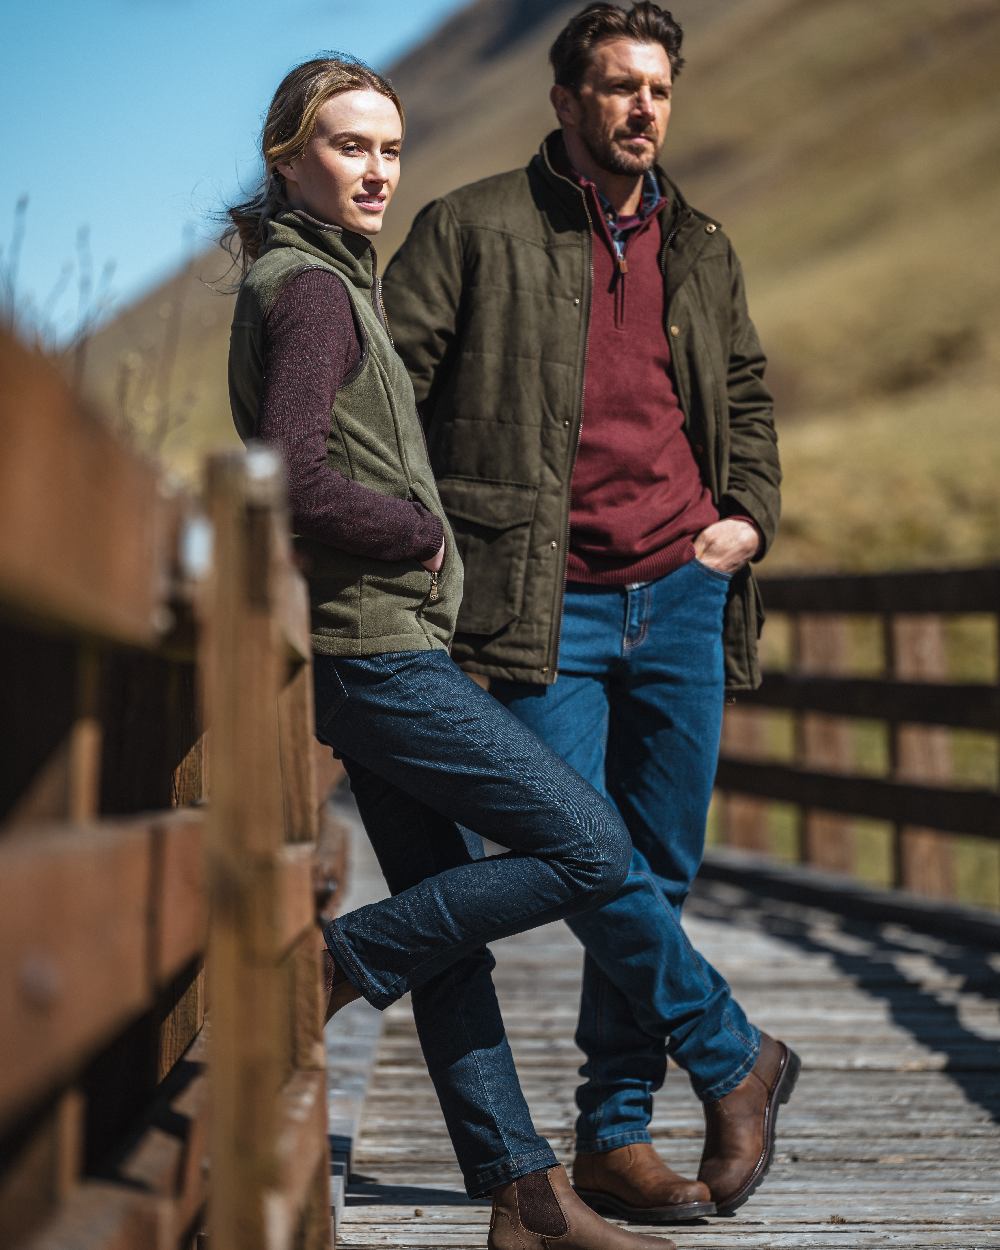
[{"x": 492, "y": 525}]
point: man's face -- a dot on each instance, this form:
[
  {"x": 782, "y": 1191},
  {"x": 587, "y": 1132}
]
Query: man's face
[{"x": 622, "y": 108}]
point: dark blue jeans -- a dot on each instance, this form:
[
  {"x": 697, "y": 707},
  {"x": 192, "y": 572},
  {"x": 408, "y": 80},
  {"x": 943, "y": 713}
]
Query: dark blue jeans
[
  {"x": 427, "y": 751},
  {"x": 637, "y": 710}
]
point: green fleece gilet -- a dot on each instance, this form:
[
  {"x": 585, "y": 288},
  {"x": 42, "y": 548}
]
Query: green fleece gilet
[{"x": 359, "y": 606}]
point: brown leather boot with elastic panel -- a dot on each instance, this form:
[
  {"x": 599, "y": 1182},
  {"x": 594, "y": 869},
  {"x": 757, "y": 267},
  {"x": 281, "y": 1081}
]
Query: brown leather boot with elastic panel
[
  {"x": 541, "y": 1212},
  {"x": 740, "y": 1127},
  {"x": 633, "y": 1183},
  {"x": 336, "y": 987}
]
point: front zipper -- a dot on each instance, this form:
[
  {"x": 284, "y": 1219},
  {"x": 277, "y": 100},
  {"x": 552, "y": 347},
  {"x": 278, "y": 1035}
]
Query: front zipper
[
  {"x": 553, "y": 653},
  {"x": 377, "y": 296}
]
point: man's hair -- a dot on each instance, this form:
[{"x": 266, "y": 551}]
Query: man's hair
[{"x": 644, "y": 22}]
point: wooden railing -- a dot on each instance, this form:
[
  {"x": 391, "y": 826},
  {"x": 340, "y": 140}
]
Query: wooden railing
[
  {"x": 879, "y": 687},
  {"x": 127, "y": 848}
]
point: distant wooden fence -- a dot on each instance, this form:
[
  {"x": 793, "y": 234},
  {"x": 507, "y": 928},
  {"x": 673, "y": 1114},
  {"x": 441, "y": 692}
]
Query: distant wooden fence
[
  {"x": 124, "y": 611},
  {"x": 869, "y": 736}
]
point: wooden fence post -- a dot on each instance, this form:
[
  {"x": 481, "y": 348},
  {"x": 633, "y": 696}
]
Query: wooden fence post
[
  {"x": 923, "y": 859},
  {"x": 268, "y": 1142},
  {"x": 820, "y": 645}
]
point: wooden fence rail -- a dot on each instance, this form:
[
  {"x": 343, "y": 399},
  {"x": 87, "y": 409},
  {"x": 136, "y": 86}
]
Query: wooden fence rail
[
  {"x": 872, "y": 725},
  {"x": 130, "y": 618}
]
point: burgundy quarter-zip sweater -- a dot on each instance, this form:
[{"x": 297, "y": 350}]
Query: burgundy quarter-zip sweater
[{"x": 638, "y": 498}]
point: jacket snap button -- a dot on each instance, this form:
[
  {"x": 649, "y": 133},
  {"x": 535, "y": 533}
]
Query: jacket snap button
[
  {"x": 567, "y": 424},
  {"x": 576, "y": 302},
  {"x": 553, "y": 544},
  {"x": 711, "y": 228},
  {"x": 675, "y": 330},
  {"x": 546, "y": 669}
]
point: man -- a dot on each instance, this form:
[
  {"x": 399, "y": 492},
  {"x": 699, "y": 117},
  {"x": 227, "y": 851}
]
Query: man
[{"x": 592, "y": 390}]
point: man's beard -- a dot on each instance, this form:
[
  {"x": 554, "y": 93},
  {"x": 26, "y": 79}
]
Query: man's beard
[{"x": 612, "y": 159}]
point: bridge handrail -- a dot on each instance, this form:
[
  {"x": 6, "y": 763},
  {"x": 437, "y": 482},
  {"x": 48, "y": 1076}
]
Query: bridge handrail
[
  {"x": 132, "y": 615},
  {"x": 914, "y": 699}
]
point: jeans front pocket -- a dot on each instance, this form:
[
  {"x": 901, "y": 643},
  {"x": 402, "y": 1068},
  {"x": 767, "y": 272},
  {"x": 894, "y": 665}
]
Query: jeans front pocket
[{"x": 718, "y": 574}]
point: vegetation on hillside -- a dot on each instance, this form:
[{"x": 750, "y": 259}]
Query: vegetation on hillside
[{"x": 849, "y": 150}]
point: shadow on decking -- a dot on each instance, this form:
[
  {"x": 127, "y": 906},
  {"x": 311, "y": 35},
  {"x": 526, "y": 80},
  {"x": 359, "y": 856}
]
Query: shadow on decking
[
  {"x": 972, "y": 1062},
  {"x": 367, "y": 1191}
]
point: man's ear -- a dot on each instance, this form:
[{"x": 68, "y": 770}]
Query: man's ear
[{"x": 565, "y": 103}]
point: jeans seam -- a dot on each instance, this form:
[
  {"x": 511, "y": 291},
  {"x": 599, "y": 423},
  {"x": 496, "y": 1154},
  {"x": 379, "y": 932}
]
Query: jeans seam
[
  {"x": 485, "y": 1179},
  {"x": 601, "y": 1145},
  {"x": 457, "y": 728},
  {"x": 479, "y": 1073},
  {"x": 729, "y": 1083}
]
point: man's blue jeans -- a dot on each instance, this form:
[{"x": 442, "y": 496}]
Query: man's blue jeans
[
  {"x": 637, "y": 711},
  {"x": 428, "y": 751}
]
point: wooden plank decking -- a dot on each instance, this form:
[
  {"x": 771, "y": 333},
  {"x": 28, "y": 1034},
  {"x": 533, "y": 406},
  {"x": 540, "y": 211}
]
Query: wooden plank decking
[{"x": 892, "y": 1137}]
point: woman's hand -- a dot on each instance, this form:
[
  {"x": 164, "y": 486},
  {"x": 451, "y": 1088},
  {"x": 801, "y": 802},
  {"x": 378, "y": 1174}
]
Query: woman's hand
[{"x": 433, "y": 565}]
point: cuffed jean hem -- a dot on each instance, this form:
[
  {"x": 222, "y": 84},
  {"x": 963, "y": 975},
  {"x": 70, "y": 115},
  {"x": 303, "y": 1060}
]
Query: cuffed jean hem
[
  {"x": 726, "y": 1086},
  {"x": 601, "y": 1145},
  {"x": 345, "y": 960},
  {"x": 480, "y": 1182}
]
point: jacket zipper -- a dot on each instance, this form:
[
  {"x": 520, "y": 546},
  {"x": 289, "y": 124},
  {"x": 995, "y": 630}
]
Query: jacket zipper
[
  {"x": 553, "y": 654},
  {"x": 620, "y": 291},
  {"x": 377, "y": 296}
]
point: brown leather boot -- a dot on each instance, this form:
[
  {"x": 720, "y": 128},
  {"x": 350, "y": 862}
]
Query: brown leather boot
[
  {"x": 338, "y": 990},
  {"x": 540, "y": 1211},
  {"x": 739, "y": 1127},
  {"x": 633, "y": 1183}
]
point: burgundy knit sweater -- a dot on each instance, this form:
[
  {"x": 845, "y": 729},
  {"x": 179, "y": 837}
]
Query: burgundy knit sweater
[
  {"x": 311, "y": 347},
  {"x": 638, "y": 499}
]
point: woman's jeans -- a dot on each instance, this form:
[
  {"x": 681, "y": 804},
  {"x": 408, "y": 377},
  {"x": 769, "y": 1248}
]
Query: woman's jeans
[
  {"x": 637, "y": 710},
  {"x": 427, "y": 751}
]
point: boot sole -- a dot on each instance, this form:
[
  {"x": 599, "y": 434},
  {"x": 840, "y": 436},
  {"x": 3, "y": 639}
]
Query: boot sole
[
  {"x": 677, "y": 1213},
  {"x": 783, "y": 1087}
]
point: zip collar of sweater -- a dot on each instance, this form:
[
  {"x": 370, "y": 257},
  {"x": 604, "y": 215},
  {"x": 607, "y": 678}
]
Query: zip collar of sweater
[
  {"x": 349, "y": 253},
  {"x": 551, "y": 159}
]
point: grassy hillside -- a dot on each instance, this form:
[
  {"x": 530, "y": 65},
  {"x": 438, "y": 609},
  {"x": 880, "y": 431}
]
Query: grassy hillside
[{"x": 850, "y": 151}]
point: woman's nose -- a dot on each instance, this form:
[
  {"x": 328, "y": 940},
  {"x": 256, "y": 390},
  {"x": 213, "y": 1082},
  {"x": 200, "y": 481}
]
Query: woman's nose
[{"x": 377, "y": 169}]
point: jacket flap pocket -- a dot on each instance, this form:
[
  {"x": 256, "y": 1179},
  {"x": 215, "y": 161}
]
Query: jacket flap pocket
[{"x": 497, "y": 505}]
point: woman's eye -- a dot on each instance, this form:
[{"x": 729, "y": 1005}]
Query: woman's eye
[{"x": 392, "y": 153}]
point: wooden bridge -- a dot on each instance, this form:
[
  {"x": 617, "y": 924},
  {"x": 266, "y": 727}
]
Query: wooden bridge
[
  {"x": 892, "y": 1137},
  {"x": 163, "y": 852}
]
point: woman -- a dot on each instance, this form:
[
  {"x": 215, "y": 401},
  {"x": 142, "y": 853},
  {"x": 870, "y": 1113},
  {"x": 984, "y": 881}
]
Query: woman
[{"x": 313, "y": 371}]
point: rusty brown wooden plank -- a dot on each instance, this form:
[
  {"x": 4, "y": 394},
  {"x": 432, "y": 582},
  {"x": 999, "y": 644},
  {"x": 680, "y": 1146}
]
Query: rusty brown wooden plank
[
  {"x": 180, "y": 907},
  {"x": 75, "y": 965},
  {"x": 90, "y": 553}
]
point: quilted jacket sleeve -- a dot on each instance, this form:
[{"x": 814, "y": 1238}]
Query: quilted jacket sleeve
[
  {"x": 421, "y": 291},
  {"x": 754, "y": 468}
]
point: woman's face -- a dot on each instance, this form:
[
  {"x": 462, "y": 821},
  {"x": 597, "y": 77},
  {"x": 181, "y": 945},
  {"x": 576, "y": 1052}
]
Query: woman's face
[{"x": 350, "y": 167}]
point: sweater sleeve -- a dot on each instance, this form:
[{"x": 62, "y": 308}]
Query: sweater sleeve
[{"x": 311, "y": 345}]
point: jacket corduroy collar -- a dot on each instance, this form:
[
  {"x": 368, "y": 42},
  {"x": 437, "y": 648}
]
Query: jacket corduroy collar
[{"x": 348, "y": 252}]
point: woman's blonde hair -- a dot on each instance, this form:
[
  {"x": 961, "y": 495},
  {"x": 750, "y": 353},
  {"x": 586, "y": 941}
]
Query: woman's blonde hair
[{"x": 288, "y": 127}]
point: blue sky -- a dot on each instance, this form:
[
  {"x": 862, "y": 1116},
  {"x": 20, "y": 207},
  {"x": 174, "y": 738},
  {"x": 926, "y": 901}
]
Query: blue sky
[{"x": 138, "y": 118}]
